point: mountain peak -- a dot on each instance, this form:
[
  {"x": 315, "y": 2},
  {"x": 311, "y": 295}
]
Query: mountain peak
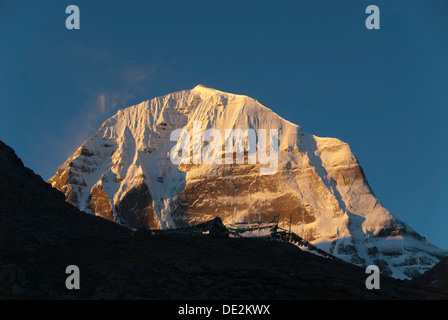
[
  {"x": 201, "y": 89},
  {"x": 124, "y": 173}
]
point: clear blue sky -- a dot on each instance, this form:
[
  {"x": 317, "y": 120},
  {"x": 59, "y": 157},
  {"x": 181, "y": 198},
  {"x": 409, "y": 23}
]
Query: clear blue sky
[{"x": 385, "y": 92}]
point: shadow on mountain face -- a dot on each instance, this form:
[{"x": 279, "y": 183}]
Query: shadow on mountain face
[{"x": 41, "y": 235}]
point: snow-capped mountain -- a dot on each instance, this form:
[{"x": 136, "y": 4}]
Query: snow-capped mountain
[{"x": 125, "y": 173}]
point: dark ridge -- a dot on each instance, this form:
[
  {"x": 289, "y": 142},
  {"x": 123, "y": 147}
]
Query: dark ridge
[
  {"x": 435, "y": 278},
  {"x": 41, "y": 234}
]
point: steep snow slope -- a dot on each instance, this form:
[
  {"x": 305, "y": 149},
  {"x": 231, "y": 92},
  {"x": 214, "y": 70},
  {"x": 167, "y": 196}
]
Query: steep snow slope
[{"x": 124, "y": 173}]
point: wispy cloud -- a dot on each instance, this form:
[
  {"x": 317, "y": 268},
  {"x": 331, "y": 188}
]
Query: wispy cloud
[
  {"x": 108, "y": 82},
  {"x": 125, "y": 83},
  {"x": 130, "y": 81},
  {"x": 102, "y": 103},
  {"x": 106, "y": 103},
  {"x": 136, "y": 74}
]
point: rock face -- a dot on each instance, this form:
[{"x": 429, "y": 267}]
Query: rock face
[{"x": 124, "y": 173}]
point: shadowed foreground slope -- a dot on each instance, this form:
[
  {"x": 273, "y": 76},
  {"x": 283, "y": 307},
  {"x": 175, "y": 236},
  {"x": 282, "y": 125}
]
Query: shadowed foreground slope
[{"x": 41, "y": 235}]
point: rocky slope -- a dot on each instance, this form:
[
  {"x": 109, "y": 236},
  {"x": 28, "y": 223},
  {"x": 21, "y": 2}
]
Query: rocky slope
[
  {"x": 124, "y": 173},
  {"x": 435, "y": 278},
  {"x": 181, "y": 266},
  {"x": 33, "y": 214}
]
